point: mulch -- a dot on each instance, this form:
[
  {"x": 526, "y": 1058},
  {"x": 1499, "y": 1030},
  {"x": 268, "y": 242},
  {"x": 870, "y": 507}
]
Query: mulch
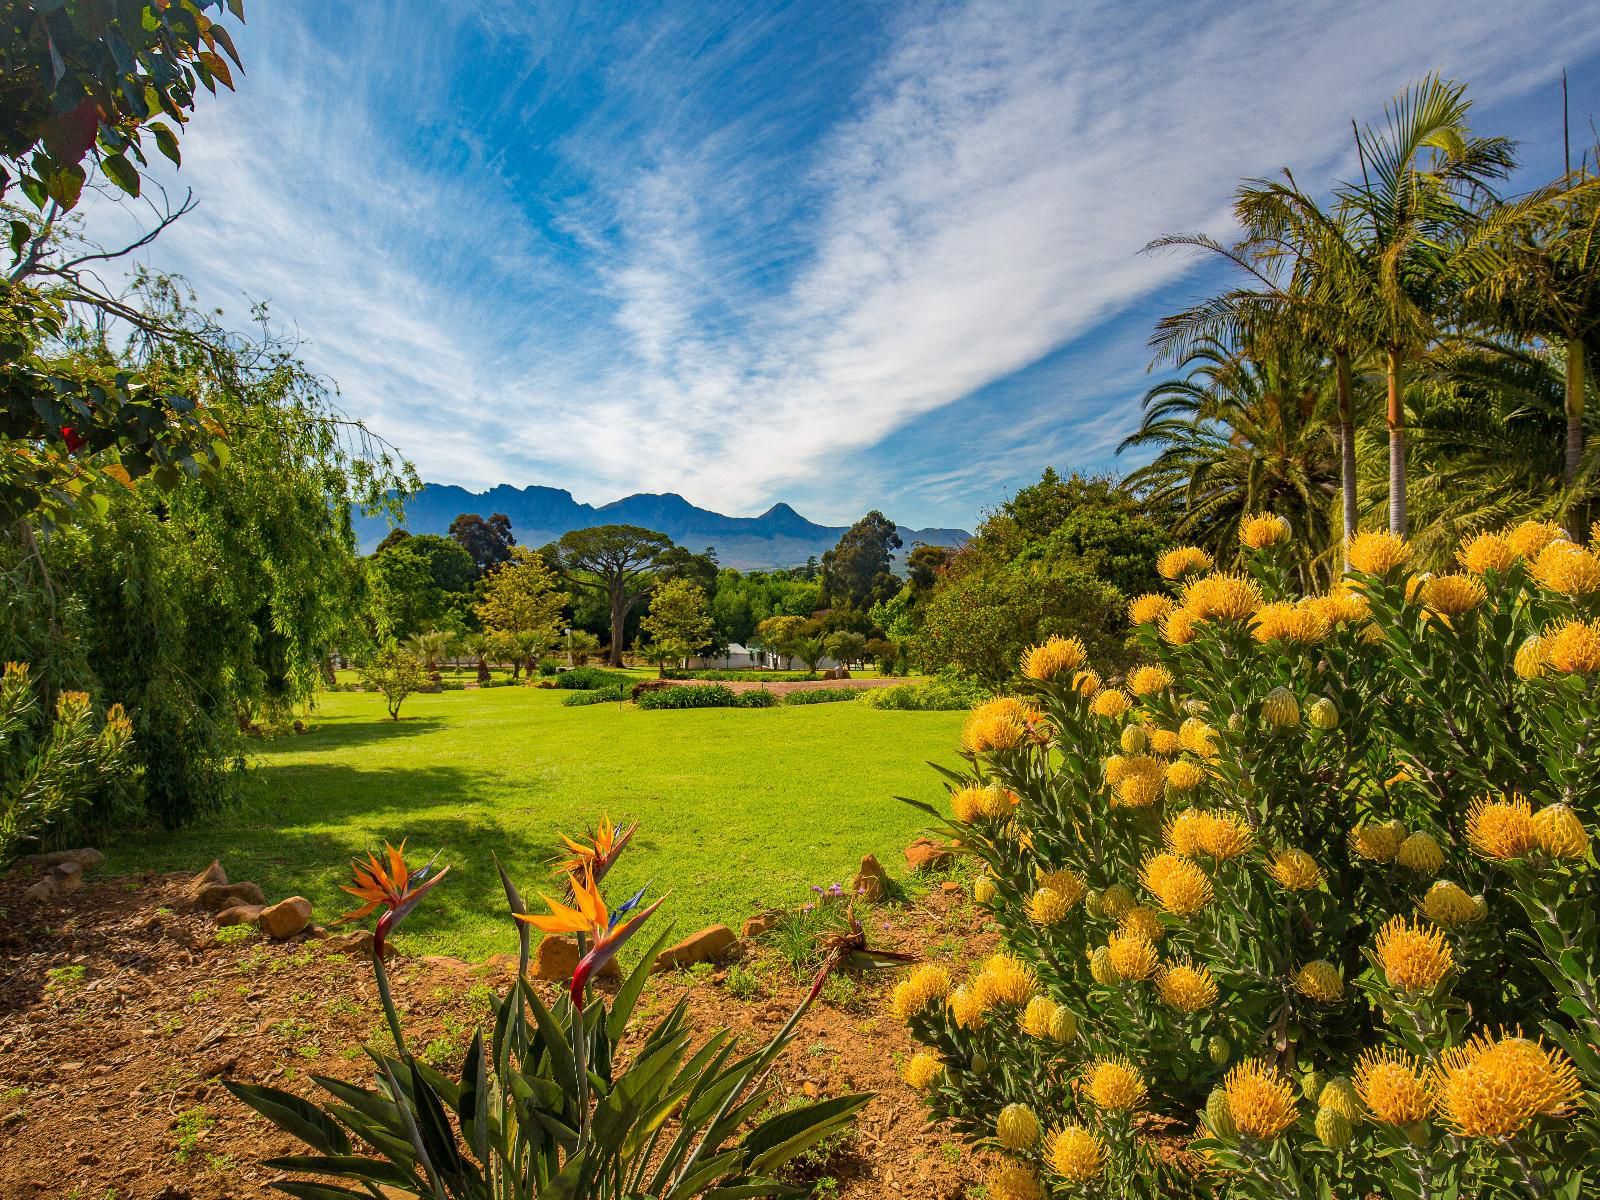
[{"x": 121, "y": 1011}]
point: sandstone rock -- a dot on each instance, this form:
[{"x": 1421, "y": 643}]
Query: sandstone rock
[
  {"x": 761, "y": 923},
  {"x": 68, "y": 876},
  {"x": 708, "y": 945},
  {"x": 842, "y": 673},
  {"x": 830, "y": 673},
  {"x": 212, "y": 874},
  {"x": 357, "y": 942},
  {"x": 556, "y": 958},
  {"x": 925, "y": 854},
  {"x": 38, "y": 893},
  {"x": 214, "y": 897},
  {"x": 950, "y": 888},
  {"x": 286, "y": 918},
  {"x": 87, "y": 858},
  {"x": 871, "y": 881},
  {"x": 240, "y": 914}
]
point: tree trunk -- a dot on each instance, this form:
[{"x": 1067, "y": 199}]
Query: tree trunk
[
  {"x": 1347, "y": 447},
  {"x": 1576, "y": 371},
  {"x": 1397, "y": 445},
  {"x": 618, "y": 620}
]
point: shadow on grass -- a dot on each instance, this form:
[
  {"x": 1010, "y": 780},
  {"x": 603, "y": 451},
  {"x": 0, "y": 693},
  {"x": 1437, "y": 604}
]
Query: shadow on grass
[{"x": 327, "y": 734}]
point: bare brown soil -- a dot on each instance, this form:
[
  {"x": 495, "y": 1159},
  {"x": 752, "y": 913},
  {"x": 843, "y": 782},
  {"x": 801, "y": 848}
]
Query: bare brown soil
[{"x": 121, "y": 1010}]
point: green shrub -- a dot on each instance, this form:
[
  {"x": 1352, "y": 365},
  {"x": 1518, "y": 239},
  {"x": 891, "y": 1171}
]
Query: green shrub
[
  {"x": 937, "y": 695},
  {"x": 745, "y": 676},
  {"x": 823, "y": 696},
  {"x": 712, "y": 696},
  {"x": 587, "y": 679},
  {"x": 602, "y": 695}
]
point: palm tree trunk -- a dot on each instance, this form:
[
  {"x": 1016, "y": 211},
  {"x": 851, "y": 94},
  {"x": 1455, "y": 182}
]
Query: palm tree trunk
[
  {"x": 1576, "y": 370},
  {"x": 1347, "y": 445},
  {"x": 1397, "y": 445}
]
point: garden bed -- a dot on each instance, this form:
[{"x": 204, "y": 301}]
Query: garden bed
[{"x": 121, "y": 1011}]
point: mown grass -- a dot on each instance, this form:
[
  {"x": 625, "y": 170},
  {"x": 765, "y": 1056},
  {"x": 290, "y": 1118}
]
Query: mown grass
[{"x": 740, "y": 809}]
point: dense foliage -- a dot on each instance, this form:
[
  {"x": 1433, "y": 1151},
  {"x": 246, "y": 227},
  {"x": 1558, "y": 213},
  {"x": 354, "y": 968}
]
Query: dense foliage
[
  {"x": 1315, "y": 873},
  {"x": 705, "y": 695}
]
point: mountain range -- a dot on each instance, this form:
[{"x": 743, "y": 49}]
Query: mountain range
[{"x": 779, "y": 537}]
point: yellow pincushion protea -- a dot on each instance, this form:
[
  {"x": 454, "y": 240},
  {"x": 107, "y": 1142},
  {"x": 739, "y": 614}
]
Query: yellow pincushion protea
[
  {"x": 1181, "y": 887},
  {"x": 1111, "y": 703},
  {"x": 1178, "y": 627},
  {"x": 1561, "y": 834},
  {"x": 1149, "y": 679},
  {"x": 1531, "y": 537},
  {"x": 1004, "y": 981},
  {"x": 1532, "y": 658},
  {"x": 1116, "y": 768},
  {"x": 967, "y": 803},
  {"x": 1054, "y": 657},
  {"x": 1183, "y": 775},
  {"x": 1087, "y": 682},
  {"x": 1343, "y": 605},
  {"x": 1260, "y": 1099},
  {"x": 1037, "y": 1016},
  {"x": 1133, "y": 958},
  {"x": 1222, "y": 597},
  {"x": 1378, "y": 553},
  {"x": 1493, "y": 1087},
  {"x": 1012, "y": 1181},
  {"x": 1420, "y": 853},
  {"x": 1377, "y": 842},
  {"x": 926, "y": 988},
  {"x": 1001, "y": 724},
  {"x": 1304, "y": 623},
  {"x": 1147, "y": 609},
  {"x": 1502, "y": 829},
  {"x": 1016, "y": 1128},
  {"x": 1198, "y": 738},
  {"x": 1077, "y": 1155},
  {"x": 1183, "y": 561},
  {"x": 1141, "y": 781},
  {"x": 1185, "y": 833},
  {"x": 1195, "y": 832},
  {"x": 1452, "y": 595},
  {"x": 1141, "y": 922},
  {"x": 1164, "y": 741},
  {"x": 1447, "y": 905},
  {"x": 1263, "y": 530},
  {"x": 1340, "y": 1096},
  {"x": 1486, "y": 552},
  {"x": 1319, "y": 980},
  {"x": 1186, "y": 987},
  {"x": 1048, "y": 907},
  {"x": 1295, "y": 870},
  {"x": 1573, "y": 648},
  {"x": 1391, "y": 1087},
  {"x": 1414, "y": 956},
  {"x": 1567, "y": 569},
  {"x": 922, "y": 1071},
  {"x": 1114, "y": 1084},
  {"x": 1117, "y": 902},
  {"x": 966, "y": 1009},
  {"x": 1066, "y": 883}
]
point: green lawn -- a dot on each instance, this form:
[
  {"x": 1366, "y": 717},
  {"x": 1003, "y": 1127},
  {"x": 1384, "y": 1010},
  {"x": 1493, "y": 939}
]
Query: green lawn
[{"x": 739, "y": 808}]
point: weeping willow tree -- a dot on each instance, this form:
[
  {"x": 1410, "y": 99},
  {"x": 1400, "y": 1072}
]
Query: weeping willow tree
[{"x": 1238, "y": 434}]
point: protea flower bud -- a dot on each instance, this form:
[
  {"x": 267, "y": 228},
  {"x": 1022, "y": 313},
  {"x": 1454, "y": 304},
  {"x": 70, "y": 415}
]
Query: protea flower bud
[
  {"x": 1280, "y": 708},
  {"x": 1100, "y": 967},
  {"x": 1334, "y": 1129},
  {"x": 1016, "y": 1128},
  {"x": 1235, "y": 723},
  {"x": 1420, "y": 853},
  {"x": 1219, "y": 1116},
  {"x": 983, "y": 889},
  {"x": 1219, "y": 1049},
  {"x": 1561, "y": 834},
  {"x": 1340, "y": 1095},
  {"x": 1324, "y": 713},
  {"x": 1063, "y": 1026},
  {"x": 1311, "y": 1084},
  {"x": 1134, "y": 740},
  {"x": 980, "y": 1063}
]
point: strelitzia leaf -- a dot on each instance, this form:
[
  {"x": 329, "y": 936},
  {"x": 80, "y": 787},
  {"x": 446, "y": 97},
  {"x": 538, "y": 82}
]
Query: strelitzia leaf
[{"x": 294, "y": 1115}]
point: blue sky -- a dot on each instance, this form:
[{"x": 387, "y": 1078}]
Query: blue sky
[{"x": 846, "y": 255}]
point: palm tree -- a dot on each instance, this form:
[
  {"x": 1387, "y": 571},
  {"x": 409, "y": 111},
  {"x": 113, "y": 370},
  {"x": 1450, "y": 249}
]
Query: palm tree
[
  {"x": 478, "y": 647},
  {"x": 1547, "y": 286},
  {"x": 1243, "y": 433},
  {"x": 430, "y": 647},
  {"x": 1423, "y": 207}
]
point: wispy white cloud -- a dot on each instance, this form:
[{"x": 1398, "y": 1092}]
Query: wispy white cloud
[{"x": 671, "y": 257}]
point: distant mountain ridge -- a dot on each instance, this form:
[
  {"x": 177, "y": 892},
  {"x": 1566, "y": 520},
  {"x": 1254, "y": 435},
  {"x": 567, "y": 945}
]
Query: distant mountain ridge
[{"x": 779, "y": 537}]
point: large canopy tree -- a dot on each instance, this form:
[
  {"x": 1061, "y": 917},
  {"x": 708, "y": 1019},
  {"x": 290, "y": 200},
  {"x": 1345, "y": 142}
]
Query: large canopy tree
[
  {"x": 617, "y": 561},
  {"x": 856, "y": 573}
]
